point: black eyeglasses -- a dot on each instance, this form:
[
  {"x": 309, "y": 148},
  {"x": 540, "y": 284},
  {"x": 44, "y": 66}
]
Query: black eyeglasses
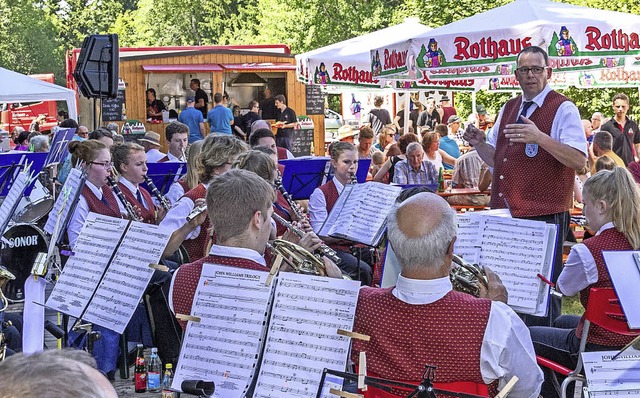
[
  {"x": 535, "y": 69},
  {"x": 106, "y": 165}
]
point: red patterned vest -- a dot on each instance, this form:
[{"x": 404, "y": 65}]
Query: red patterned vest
[
  {"x": 447, "y": 333},
  {"x": 148, "y": 215},
  {"x": 331, "y": 195},
  {"x": 197, "y": 248},
  {"x": 98, "y": 206},
  {"x": 183, "y": 184},
  {"x": 532, "y": 186},
  {"x": 164, "y": 159},
  {"x": 609, "y": 239},
  {"x": 185, "y": 281},
  {"x": 282, "y": 153}
]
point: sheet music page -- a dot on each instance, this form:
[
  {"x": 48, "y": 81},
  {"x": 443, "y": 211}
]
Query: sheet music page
[
  {"x": 365, "y": 224},
  {"x": 625, "y": 276},
  {"x": 72, "y": 185},
  {"x": 302, "y": 338},
  {"x": 121, "y": 289},
  {"x": 93, "y": 250},
  {"x": 469, "y": 243},
  {"x": 224, "y": 346},
  {"x": 11, "y": 200},
  {"x": 332, "y": 217},
  {"x": 515, "y": 250},
  {"x": 605, "y": 377}
]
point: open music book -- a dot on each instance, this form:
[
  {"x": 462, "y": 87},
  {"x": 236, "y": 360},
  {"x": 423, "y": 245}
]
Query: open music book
[
  {"x": 272, "y": 340},
  {"x": 515, "y": 249},
  {"x": 360, "y": 213},
  {"x": 104, "y": 279},
  {"x": 607, "y": 377}
]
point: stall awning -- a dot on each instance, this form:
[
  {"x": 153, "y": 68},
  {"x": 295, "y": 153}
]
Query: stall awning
[
  {"x": 182, "y": 68},
  {"x": 259, "y": 66}
]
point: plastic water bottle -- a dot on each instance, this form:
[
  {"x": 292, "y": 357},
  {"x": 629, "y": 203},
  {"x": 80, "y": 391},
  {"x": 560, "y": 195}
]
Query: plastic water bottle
[
  {"x": 153, "y": 373},
  {"x": 167, "y": 380}
]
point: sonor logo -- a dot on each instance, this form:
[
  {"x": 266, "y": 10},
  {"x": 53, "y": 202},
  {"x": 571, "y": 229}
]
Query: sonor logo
[{"x": 22, "y": 241}]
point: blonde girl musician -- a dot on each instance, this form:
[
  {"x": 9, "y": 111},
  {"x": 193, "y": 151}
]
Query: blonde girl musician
[
  {"x": 612, "y": 208},
  {"x": 191, "y": 179}
]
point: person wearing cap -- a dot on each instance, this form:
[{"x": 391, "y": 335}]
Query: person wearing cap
[
  {"x": 346, "y": 133},
  {"x": 445, "y": 109},
  {"x": 481, "y": 117},
  {"x": 151, "y": 144},
  {"x": 454, "y": 122},
  {"x": 192, "y": 117}
]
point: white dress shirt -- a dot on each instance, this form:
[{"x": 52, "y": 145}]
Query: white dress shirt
[
  {"x": 580, "y": 270},
  {"x": 175, "y": 192},
  {"x": 80, "y": 214},
  {"x": 224, "y": 251},
  {"x": 318, "y": 206},
  {"x": 566, "y": 127},
  {"x": 177, "y": 216},
  {"x": 153, "y": 155},
  {"x": 506, "y": 350},
  {"x": 175, "y": 159}
]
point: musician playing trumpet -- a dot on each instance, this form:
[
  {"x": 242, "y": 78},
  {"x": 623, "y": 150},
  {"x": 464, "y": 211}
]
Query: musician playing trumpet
[
  {"x": 130, "y": 162},
  {"x": 239, "y": 205},
  {"x": 422, "y": 321}
]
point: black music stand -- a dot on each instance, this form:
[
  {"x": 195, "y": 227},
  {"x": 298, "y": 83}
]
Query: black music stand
[
  {"x": 423, "y": 390},
  {"x": 12, "y": 161},
  {"x": 164, "y": 174}
]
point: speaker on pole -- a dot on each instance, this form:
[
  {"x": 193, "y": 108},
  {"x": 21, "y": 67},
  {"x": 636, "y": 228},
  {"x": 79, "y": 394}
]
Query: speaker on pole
[{"x": 97, "y": 69}]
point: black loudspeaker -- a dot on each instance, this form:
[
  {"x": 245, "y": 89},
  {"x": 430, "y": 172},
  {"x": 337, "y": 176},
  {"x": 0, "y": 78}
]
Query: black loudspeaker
[{"x": 97, "y": 69}]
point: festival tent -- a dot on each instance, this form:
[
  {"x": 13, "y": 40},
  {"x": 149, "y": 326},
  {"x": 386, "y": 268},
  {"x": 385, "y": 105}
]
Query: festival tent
[
  {"x": 17, "y": 87},
  {"x": 486, "y": 44}
]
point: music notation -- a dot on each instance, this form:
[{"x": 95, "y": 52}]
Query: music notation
[{"x": 607, "y": 377}]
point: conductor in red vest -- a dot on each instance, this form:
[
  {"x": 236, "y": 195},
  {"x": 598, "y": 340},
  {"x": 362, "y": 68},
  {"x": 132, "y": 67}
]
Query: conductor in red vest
[
  {"x": 535, "y": 147},
  {"x": 422, "y": 321}
]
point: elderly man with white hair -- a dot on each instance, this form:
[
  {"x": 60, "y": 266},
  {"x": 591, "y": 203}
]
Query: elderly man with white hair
[{"x": 415, "y": 169}]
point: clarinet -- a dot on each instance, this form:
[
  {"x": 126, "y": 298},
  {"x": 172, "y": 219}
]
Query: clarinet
[
  {"x": 295, "y": 207},
  {"x": 130, "y": 210},
  {"x": 155, "y": 192},
  {"x": 352, "y": 178},
  {"x": 323, "y": 250}
]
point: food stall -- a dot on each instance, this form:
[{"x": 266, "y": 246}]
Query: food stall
[{"x": 244, "y": 72}]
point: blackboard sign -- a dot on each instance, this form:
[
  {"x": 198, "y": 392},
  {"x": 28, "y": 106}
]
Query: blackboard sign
[
  {"x": 112, "y": 108},
  {"x": 301, "y": 142},
  {"x": 315, "y": 100}
]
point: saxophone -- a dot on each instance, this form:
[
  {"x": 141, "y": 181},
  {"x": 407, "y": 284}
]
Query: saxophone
[{"x": 467, "y": 277}]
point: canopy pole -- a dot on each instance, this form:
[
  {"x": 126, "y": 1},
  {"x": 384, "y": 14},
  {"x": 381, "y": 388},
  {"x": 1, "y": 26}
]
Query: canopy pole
[
  {"x": 473, "y": 103},
  {"x": 407, "y": 111}
]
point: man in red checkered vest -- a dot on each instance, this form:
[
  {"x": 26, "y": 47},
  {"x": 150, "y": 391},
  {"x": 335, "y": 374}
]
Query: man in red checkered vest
[{"x": 422, "y": 321}]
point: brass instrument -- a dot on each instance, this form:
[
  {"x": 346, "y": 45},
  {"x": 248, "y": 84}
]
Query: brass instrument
[
  {"x": 295, "y": 207},
  {"x": 352, "y": 178},
  {"x": 323, "y": 250},
  {"x": 467, "y": 277},
  {"x": 299, "y": 258},
  {"x": 195, "y": 212},
  {"x": 155, "y": 192},
  {"x": 133, "y": 214},
  {"x": 5, "y": 276}
]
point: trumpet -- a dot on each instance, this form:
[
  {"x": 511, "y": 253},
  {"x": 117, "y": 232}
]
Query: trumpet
[
  {"x": 467, "y": 277},
  {"x": 155, "y": 192},
  {"x": 195, "y": 212},
  {"x": 295, "y": 207},
  {"x": 323, "y": 250},
  {"x": 133, "y": 214}
]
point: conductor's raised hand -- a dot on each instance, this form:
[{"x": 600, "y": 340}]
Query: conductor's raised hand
[
  {"x": 474, "y": 135},
  {"x": 496, "y": 290}
]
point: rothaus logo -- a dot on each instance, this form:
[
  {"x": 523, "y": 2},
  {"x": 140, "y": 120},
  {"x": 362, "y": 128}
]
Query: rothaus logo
[
  {"x": 352, "y": 74},
  {"x": 488, "y": 48},
  {"x": 20, "y": 241},
  {"x": 395, "y": 59},
  {"x": 616, "y": 40}
]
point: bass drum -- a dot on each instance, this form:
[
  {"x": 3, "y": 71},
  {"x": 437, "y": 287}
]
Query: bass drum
[
  {"x": 35, "y": 208},
  {"x": 20, "y": 247}
]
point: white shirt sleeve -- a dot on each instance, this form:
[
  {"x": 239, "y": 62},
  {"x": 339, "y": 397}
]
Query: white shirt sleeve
[
  {"x": 177, "y": 216},
  {"x": 579, "y": 271},
  {"x": 507, "y": 351},
  {"x": 317, "y": 209},
  {"x": 175, "y": 192},
  {"x": 77, "y": 220},
  {"x": 567, "y": 127}
]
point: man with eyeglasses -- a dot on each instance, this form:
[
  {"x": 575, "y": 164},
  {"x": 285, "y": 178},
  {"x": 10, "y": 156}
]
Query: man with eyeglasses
[
  {"x": 596, "y": 122},
  {"x": 535, "y": 147}
]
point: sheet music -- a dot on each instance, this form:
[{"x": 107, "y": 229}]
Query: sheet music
[
  {"x": 612, "y": 378},
  {"x": 517, "y": 250},
  {"x": 332, "y": 217},
  {"x": 625, "y": 276},
  {"x": 11, "y": 200},
  {"x": 302, "y": 338},
  {"x": 224, "y": 346},
  {"x": 70, "y": 191},
  {"x": 469, "y": 243},
  {"x": 93, "y": 250},
  {"x": 121, "y": 289}
]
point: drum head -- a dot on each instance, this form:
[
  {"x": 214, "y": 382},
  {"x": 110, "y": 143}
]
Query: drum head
[
  {"x": 20, "y": 246},
  {"x": 35, "y": 211}
]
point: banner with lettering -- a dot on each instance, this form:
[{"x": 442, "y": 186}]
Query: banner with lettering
[{"x": 487, "y": 44}]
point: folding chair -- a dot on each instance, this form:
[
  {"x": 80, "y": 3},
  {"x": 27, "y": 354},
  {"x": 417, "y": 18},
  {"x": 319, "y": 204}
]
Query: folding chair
[{"x": 603, "y": 310}]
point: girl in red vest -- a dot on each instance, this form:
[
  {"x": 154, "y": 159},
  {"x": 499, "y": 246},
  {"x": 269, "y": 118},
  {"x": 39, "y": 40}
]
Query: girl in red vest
[
  {"x": 344, "y": 160},
  {"x": 130, "y": 161},
  {"x": 612, "y": 208}
]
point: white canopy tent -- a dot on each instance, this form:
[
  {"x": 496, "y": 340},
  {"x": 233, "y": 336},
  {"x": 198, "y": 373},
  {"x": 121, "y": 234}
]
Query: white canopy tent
[{"x": 17, "y": 87}]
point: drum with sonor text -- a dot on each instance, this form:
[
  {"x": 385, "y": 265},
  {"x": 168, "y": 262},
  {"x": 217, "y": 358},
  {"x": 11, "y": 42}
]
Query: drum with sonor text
[{"x": 20, "y": 247}]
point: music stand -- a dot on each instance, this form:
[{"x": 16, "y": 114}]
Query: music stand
[
  {"x": 302, "y": 175},
  {"x": 59, "y": 148},
  {"x": 164, "y": 174},
  {"x": 12, "y": 161}
]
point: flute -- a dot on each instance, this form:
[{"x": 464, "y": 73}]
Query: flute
[
  {"x": 323, "y": 250},
  {"x": 196, "y": 211},
  {"x": 133, "y": 214},
  {"x": 155, "y": 192}
]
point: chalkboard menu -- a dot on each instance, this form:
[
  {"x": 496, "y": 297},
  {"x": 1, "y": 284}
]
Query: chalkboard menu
[
  {"x": 315, "y": 100},
  {"x": 112, "y": 108},
  {"x": 301, "y": 142}
]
